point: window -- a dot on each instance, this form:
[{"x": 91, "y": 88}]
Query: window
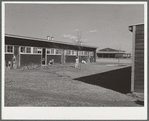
[
  {"x": 72, "y": 52},
  {"x": 52, "y": 50},
  {"x": 85, "y": 53},
  {"x": 80, "y": 52},
  {"x": 68, "y": 52},
  {"x": 37, "y": 50},
  {"x": 91, "y": 53},
  {"x": 28, "y": 50},
  {"x": 22, "y": 49},
  {"x": 48, "y": 51},
  {"x": 8, "y": 48},
  {"x": 75, "y": 52},
  {"x": 58, "y": 51}
]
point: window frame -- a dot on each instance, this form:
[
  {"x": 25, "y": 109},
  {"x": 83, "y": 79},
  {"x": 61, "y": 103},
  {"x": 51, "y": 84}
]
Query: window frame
[
  {"x": 71, "y": 52},
  {"x": 6, "y": 49},
  {"x": 53, "y": 52},
  {"x": 85, "y": 53},
  {"x": 91, "y": 53},
  {"x": 59, "y": 50},
  {"x": 31, "y": 50},
  {"x": 81, "y": 53}
]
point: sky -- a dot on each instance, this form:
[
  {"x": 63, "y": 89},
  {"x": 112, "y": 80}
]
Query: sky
[{"x": 99, "y": 25}]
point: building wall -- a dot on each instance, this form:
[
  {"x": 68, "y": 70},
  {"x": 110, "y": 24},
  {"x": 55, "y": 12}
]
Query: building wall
[
  {"x": 110, "y": 55},
  {"x": 57, "y": 58},
  {"x": 29, "y": 56},
  {"x": 139, "y": 59},
  {"x": 8, "y": 57},
  {"x": 119, "y": 55},
  {"x": 70, "y": 59},
  {"x": 85, "y": 58},
  {"x": 27, "y": 59}
]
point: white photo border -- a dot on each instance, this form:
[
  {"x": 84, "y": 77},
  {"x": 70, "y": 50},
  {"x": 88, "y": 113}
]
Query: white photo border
[{"x": 74, "y": 113}]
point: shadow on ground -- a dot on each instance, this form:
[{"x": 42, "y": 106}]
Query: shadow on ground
[
  {"x": 140, "y": 102},
  {"x": 117, "y": 80}
]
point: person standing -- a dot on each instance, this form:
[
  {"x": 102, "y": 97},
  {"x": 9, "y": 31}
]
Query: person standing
[
  {"x": 77, "y": 62},
  {"x": 14, "y": 65}
]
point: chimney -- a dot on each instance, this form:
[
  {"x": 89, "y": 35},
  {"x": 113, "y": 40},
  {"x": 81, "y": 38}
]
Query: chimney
[
  {"x": 52, "y": 38},
  {"x": 48, "y": 37}
]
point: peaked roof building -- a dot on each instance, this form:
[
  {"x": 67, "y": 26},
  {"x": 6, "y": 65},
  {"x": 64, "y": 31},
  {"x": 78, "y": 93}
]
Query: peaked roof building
[
  {"x": 107, "y": 50},
  {"x": 111, "y": 53}
]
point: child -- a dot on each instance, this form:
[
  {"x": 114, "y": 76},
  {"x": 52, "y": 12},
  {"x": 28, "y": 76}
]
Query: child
[
  {"x": 83, "y": 61},
  {"x": 77, "y": 63}
]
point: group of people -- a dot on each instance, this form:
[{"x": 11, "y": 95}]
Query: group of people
[
  {"x": 77, "y": 62},
  {"x": 12, "y": 63}
]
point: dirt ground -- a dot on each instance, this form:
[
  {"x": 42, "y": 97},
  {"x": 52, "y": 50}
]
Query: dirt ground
[{"x": 55, "y": 86}]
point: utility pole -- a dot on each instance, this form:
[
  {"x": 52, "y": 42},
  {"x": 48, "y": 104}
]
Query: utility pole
[
  {"x": 79, "y": 43},
  {"x": 118, "y": 56}
]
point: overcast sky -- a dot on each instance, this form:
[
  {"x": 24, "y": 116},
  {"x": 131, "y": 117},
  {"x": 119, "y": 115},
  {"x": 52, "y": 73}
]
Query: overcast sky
[{"x": 99, "y": 25}]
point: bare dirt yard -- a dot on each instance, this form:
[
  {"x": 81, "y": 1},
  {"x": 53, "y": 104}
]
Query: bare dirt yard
[{"x": 55, "y": 86}]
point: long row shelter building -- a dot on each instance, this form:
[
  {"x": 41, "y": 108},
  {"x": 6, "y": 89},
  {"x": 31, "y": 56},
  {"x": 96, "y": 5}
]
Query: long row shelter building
[{"x": 29, "y": 50}]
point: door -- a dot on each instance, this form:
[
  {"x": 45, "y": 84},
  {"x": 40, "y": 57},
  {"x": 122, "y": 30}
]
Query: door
[
  {"x": 43, "y": 59},
  {"x": 17, "y": 56}
]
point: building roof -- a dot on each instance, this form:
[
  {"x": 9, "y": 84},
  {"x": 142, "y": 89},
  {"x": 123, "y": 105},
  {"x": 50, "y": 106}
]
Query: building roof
[
  {"x": 110, "y": 50},
  {"x": 131, "y": 27},
  {"x": 46, "y": 40},
  {"x": 38, "y": 42}
]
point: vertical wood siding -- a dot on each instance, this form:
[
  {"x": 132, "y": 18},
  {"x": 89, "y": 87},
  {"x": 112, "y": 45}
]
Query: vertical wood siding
[
  {"x": 57, "y": 58},
  {"x": 27, "y": 59},
  {"x": 8, "y": 57},
  {"x": 139, "y": 59},
  {"x": 70, "y": 59}
]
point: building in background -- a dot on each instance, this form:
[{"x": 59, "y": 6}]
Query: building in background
[
  {"x": 112, "y": 53},
  {"x": 137, "y": 84},
  {"x": 27, "y": 50}
]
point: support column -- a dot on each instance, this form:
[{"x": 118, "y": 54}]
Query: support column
[
  {"x": 94, "y": 55},
  {"x": 62, "y": 56},
  {"x": 133, "y": 58},
  {"x": 17, "y": 56}
]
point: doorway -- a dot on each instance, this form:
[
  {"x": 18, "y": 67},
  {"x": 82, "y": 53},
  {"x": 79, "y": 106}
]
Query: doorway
[{"x": 43, "y": 59}]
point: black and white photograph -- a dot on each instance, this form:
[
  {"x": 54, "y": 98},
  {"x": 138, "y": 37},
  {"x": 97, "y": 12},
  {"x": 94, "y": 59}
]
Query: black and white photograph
[{"x": 74, "y": 60}]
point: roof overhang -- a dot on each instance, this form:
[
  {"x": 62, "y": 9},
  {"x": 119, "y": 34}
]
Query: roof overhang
[
  {"x": 131, "y": 27},
  {"x": 34, "y": 42}
]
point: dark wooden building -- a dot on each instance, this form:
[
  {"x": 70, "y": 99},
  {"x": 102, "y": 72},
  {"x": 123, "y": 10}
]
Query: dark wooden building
[
  {"x": 29, "y": 50},
  {"x": 137, "y": 58}
]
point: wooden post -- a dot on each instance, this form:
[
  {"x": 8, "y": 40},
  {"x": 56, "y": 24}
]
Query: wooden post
[
  {"x": 94, "y": 55},
  {"x": 62, "y": 56},
  {"x": 133, "y": 58},
  {"x": 17, "y": 55}
]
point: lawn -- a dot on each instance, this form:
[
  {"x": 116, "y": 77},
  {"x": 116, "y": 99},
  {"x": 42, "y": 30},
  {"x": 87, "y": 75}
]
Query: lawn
[{"x": 55, "y": 86}]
